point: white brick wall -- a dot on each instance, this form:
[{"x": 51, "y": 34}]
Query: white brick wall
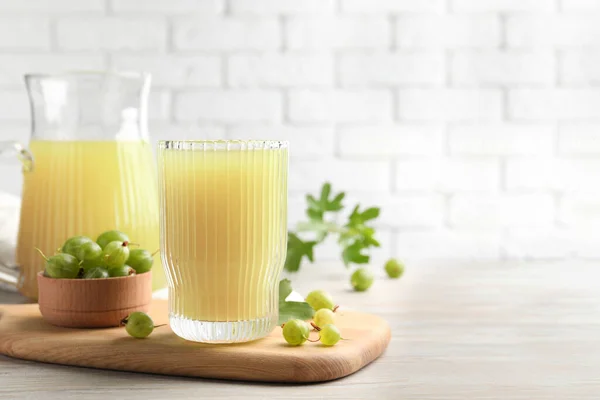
[
  {"x": 391, "y": 6},
  {"x": 447, "y": 175},
  {"x": 506, "y": 210},
  {"x": 312, "y": 33},
  {"x": 279, "y": 70},
  {"x": 581, "y": 5},
  {"x": 475, "y": 124},
  {"x": 448, "y": 31},
  {"x": 449, "y": 104},
  {"x": 546, "y": 30},
  {"x": 385, "y": 68},
  {"x": 51, "y": 6},
  {"x": 390, "y": 141},
  {"x": 555, "y": 103},
  {"x": 340, "y": 106},
  {"x": 167, "y": 7},
  {"x": 229, "y": 106},
  {"x": 206, "y": 33},
  {"x": 579, "y": 139},
  {"x": 563, "y": 175},
  {"x": 33, "y": 33},
  {"x": 283, "y": 7},
  {"x": 14, "y": 105},
  {"x": 360, "y": 176},
  {"x": 111, "y": 33},
  {"x": 176, "y": 71},
  {"x": 498, "y": 67},
  {"x": 580, "y": 68},
  {"x": 13, "y": 65},
  {"x": 501, "y": 139},
  {"x": 503, "y": 5}
]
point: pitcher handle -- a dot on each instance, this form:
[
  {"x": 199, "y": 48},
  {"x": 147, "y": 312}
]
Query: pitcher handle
[
  {"x": 22, "y": 153},
  {"x": 10, "y": 273}
]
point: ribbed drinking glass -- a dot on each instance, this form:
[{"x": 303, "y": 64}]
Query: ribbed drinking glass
[{"x": 223, "y": 225}]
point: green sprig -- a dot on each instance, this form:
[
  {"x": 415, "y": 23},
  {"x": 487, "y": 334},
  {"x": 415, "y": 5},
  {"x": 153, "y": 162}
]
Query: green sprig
[{"x": 355, "y": 236}]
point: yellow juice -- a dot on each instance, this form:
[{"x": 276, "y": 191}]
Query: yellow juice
[
  {"x": 223, "y": 232},
  {"x": 85, "y": 188}
]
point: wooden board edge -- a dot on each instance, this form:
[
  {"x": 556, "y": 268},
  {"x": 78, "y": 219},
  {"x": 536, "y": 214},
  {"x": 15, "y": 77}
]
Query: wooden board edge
[{"x": 296, "y": 364}]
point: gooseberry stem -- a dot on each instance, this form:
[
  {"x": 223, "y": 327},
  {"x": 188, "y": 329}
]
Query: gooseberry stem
[
  {"x": 153, "y": 254},
  {"x": 43, "y": 255},
  {"x": 315, "y": 326},
  {"x": 158, "y": 326},
  {"x": 313, "y": 341},
  {"x": 335, "y": 308}
]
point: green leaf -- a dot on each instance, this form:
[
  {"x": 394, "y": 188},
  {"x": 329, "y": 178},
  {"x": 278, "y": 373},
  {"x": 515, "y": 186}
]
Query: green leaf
[
  {"x": 291, "y": 309},
  {"x": 366, "y": 235},
  {"x": 293, "y": 260},
  {"x": 294, "y": 309},
  {"x": 296, "y": 250},
  {"x": 370, "y": 213},
  {"x": 308, "y": 250},
  {"x": 338, "y": 199},
  {"x": 336, "y": 203},
  {"x": 370, "y": 241},
  {"x": 313, "y": 203},
  {"x": 355, "y": 217},
  {"x": 355, "y": 238},
  {"x": 314, "y": 215},
  {"x": 285, "y": 288},
  {"x": 325, "y": 190},
  {"x": 323, "y": 204},
  {"x": 353, "y": 254}
]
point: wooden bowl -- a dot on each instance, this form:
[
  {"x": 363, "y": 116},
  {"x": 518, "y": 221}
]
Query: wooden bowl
[{"x": 93, "y": 303}]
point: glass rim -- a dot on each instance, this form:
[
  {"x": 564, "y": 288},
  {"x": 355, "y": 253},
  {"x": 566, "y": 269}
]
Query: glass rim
[{"x": 202, "y": 144}]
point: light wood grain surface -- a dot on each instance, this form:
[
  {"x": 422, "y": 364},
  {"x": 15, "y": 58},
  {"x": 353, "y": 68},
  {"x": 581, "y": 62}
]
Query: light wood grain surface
[
  {"x": 24, "y": 334},
  {"x": 459, "y": 331}
]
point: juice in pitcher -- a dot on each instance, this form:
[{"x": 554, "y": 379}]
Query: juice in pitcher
[
  {"x": 86, "y": 188},
  {"x": 89, "y": 168}
]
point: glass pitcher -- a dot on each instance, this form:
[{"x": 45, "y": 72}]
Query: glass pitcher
[{"x": 89, "y": 168}]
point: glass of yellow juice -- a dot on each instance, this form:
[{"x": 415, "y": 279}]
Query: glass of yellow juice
[{"x": 223, "y": 234}]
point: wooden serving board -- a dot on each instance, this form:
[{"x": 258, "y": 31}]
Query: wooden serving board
[{"x": 24, "y": 334}]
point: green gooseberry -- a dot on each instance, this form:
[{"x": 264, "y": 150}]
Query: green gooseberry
[
  {"x": 96, "y": 273},
  {"x": 141, "y": 260},
  {"x": 361, "y": 279},
  {"x": 62, "y": 266},
  {"x": 115, "y": 254},
  {"x": 82, "y": 248},
  {"x": 111, "y": 236},
  {"x": 125, "y": 270}
]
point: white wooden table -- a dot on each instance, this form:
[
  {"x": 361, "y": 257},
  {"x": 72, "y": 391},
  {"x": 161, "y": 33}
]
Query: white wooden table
[{"x": 459, "y": 331}]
